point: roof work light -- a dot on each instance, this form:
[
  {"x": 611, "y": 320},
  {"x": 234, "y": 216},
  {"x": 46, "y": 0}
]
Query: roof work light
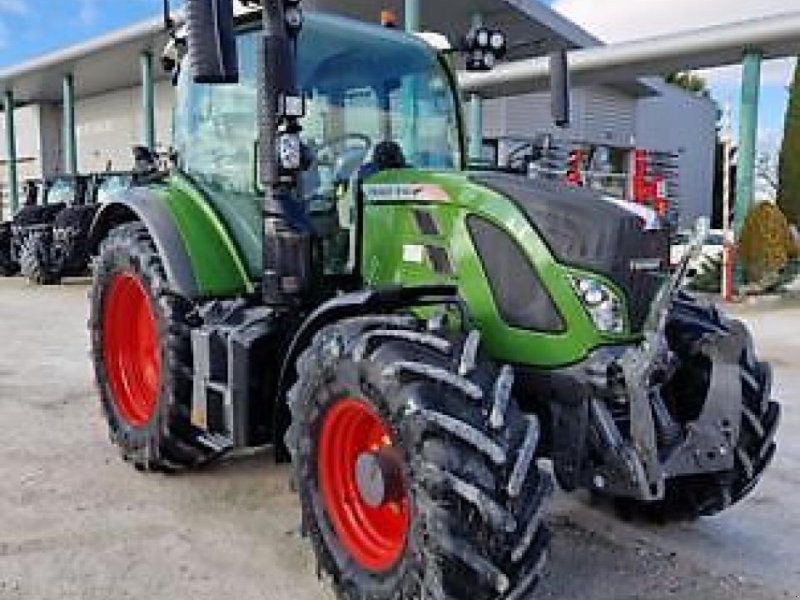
[{"x": 484, "y": 47}]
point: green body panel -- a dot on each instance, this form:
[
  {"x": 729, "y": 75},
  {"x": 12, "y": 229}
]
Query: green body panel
[
  {"x": 216, "y": 261},
  {"x": 385, "y": 264}
]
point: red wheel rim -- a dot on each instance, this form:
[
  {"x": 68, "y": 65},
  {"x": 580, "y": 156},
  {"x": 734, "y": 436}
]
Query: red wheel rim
[
  {"x": 130, "y": 349},
  {"x": 374, "y": 537}
]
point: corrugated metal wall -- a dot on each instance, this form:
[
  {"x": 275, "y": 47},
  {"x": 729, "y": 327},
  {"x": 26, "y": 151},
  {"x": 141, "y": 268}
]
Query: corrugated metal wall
[
  {"x": 600, "y": 115},
  {"x": 674, "y": 122}
]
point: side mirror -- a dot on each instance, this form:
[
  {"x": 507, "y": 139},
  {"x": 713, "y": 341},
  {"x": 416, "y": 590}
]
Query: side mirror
[
  {"x": 212, "y": 41},
  {"x": 560, "y": 88}
]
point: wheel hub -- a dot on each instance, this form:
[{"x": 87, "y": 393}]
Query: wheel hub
[
  {"x": 379, "y": 477},
  {"x": 360, "y": 475}
]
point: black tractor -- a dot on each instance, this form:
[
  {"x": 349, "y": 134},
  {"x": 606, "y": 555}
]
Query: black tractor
[{"x": 47, "y": 236}]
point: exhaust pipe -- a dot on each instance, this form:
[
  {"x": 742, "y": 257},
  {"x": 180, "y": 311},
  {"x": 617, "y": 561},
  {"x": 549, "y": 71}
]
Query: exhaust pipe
[{"x": 286, "y": 244}]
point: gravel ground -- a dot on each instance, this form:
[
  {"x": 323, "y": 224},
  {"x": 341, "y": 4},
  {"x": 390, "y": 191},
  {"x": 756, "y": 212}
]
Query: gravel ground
[{"x": 78, "y": 523}]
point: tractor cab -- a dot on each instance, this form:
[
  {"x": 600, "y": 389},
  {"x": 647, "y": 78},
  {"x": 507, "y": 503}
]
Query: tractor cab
[
  {"x": 66, "y": 190},
  {"x": 375, "y": 99},
  {"x": 107, "y": 185}
]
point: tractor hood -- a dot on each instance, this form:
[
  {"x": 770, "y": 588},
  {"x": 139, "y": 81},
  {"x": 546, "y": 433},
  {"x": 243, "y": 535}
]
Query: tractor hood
[{"x": 586, "y": 230}]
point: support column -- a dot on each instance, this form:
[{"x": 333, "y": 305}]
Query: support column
[
  {"x": 69, "y": 137},
  {"x": 746, "y": 156},
  {"x": 148, "y": 101},
  {"x": 475, "y": 149},
  {"x": 475, "y": 128},
  {"x": 412, "y": 15},
  {"x": 11, "y": 154}
]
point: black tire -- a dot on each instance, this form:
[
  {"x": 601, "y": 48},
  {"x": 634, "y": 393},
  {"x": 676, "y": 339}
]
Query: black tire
[
  {"x": 692, "y": 497},
  {"x": 8, "y": 267},
  {"x": 168, "y": 441},
  {"x": 71, "y": 227},
  {"x": 468, "y": 454},
  {"x": 35, "y": 258}
]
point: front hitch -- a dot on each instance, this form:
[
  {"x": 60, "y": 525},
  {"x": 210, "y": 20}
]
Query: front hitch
[{"x": 657, "y": 448}]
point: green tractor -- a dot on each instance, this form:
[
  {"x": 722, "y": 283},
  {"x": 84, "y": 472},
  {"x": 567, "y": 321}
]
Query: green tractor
[{"x": 320, "y": 272}]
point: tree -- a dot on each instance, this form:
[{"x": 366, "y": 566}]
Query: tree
[
  {"x": 767, "y": 175},
  {"x": 691, "y": 82},
  {"x": 789, "y": 169}
]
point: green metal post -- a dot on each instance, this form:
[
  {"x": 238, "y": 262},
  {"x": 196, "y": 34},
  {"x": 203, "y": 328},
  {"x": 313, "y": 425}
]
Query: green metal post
[
  {"x": 412, "y": 15},
  {"x": 11, "y": 154},
  {"x": 475, "y": 149},
  {"x": 746, "y": 156},
  {"x": 70, "y": 138},
  {"x": 148, "y": 101}
]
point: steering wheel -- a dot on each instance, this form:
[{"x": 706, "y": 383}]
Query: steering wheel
[{"x": 325, "y": 154}]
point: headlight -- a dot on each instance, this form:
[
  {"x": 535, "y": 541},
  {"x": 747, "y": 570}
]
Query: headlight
[{"x": 602, "y": 303}]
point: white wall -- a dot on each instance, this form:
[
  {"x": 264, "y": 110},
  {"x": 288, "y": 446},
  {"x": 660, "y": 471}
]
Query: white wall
[
  {"x": 26, "y": 125},
  {"x": 109, "y": 125}
]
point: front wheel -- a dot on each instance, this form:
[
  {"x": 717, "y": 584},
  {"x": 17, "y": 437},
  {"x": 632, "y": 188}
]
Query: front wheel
[
  {"x": 416, "y": 470},
  {"x": 692, "y": 497}
]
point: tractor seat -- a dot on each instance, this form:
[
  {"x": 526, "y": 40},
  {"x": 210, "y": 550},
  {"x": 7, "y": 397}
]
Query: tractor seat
[{"x": 385, "y": 157}]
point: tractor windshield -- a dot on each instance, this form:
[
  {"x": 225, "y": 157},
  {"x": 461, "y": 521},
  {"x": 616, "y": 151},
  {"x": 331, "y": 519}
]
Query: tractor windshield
[
  {"x": 363, "y": 84},
  {"x": 376, "y": 86},
  {"x": 61, "y": 191}
]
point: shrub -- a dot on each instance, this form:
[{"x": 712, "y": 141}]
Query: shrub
[
  {"x": 765, "y": 245},
  {"x": 709, "y": 276}
]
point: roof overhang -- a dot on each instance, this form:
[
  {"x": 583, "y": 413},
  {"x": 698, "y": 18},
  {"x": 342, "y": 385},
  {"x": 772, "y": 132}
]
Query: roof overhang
[
  {"x": 772, "y": 37},
  {"x": 110, "y": 62},
  {"x": 531, "y": 27},
  {"x": 103, "y": 64}
]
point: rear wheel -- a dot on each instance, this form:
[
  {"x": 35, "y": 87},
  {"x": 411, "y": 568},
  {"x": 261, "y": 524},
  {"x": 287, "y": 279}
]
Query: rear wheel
[
  {"x": 141, "y": 352},
  {"x": 697, "y": 496},
  {"x": 35, "y": 259},
  {"x": 416, "y": 470}
]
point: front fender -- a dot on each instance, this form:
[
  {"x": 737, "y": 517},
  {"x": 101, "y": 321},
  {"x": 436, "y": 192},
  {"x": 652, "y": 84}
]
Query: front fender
[{"x": 142, "y": 204}]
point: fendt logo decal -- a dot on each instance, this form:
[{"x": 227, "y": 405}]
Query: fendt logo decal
[{"x": 404, "y": 192}]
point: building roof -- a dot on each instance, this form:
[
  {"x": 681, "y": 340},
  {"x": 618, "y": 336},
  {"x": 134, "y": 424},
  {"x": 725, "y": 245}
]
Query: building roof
[
  {"x": 772, "y": 37},
  {"x": 111, "y": 62},
  {"x": 532, "y": 27}
]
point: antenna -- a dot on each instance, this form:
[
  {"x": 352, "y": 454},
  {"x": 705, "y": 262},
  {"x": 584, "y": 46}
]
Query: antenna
[{"x": 169, "y": 24}]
